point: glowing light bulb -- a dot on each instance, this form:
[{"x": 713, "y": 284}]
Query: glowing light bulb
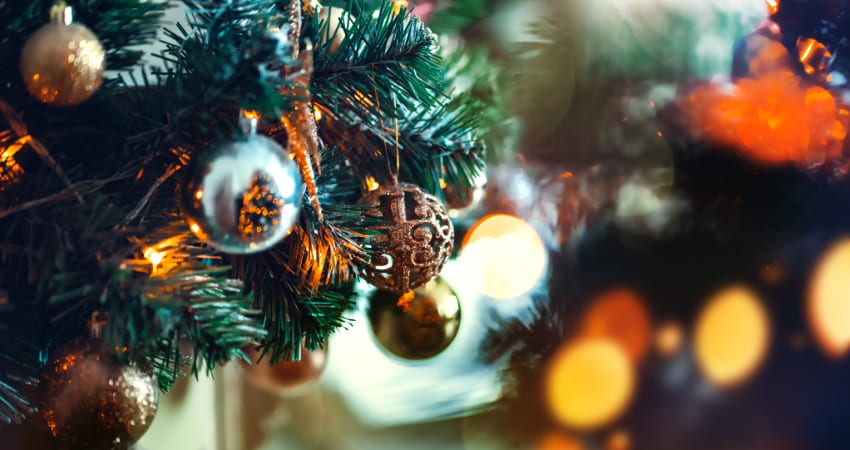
[
  {"x": 372, "y": 184},
  {"x": 588, "y": 383},
  {"x": 154, "y": 257},
  {"x": 732, "y": 336}
]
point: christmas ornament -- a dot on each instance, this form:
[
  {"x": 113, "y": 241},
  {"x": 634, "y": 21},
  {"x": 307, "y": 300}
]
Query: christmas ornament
[
  {"x": 414, "y": 243},
  {"x": 286, "y": 377},
  {"x": 242, "y": 196},
  {"x": 62, "y": 63},
  {"x": 419, "y": 324},
  {"x": 89, "y": 400}
]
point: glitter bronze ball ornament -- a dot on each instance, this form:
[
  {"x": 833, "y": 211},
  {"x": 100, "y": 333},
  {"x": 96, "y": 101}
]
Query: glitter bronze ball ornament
[
  {"x": 287, "y": 378},
  {"x": 414, "y": 242},
  {"x": 62, "y": 63},
  {"x": 89, "y": 400},
  {"x": 416, "y": 325},
  {"x": 242, "y": 196}
]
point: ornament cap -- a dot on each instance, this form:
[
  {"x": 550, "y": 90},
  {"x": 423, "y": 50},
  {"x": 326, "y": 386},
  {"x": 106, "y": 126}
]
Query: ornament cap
[
  {"x": 248, "y": 122},
  {"x": 61, "y": 13}
]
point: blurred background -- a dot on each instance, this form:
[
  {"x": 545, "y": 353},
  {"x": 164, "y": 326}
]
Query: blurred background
[{"x": 658, "y": 258}]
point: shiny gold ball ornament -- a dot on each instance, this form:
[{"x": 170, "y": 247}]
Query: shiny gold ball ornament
[
  {"x": 287, "y": 378},
  {"x": 414, "y": 241},
  {"x": 62, "y": 63},
  {"x": 419, "y": 324},
  {"x": 242, "y": 196},
  {"x": 90, "y": 400}
]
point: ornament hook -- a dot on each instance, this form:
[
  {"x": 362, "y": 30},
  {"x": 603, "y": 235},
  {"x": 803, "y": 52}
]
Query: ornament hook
[{"x": 61, "y": 13}]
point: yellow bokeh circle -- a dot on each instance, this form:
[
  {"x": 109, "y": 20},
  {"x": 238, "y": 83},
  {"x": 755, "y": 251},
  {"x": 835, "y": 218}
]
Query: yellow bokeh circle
[
  {"x": 588, "y": 383},
  {"x": 732, "y": 336}
]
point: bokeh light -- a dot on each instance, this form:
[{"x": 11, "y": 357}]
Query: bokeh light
[
  {"x": 732, "y": 336},
  {"x": 508, "y": 253},
  {"x": 589, "y": 382},
  {"x": 669, "y": 338},
  {"x": 828, "y": 302},
  {"x": 618, "y": 440},
  {"x": 558, "y": 440},
  {"x": 619, "y": 314}
]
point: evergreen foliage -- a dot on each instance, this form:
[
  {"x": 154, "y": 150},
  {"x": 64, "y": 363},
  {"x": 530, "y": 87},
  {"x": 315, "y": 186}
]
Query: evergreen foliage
[{"x": 87, "y": 192}]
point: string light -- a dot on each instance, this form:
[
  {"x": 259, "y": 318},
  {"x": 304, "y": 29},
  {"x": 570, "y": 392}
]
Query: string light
[
  {"x": 10, "y": 170},
  {"x": 371, "y": 183},
  {"x": 772, "y": 6},
  {"x": 154, "y": 257}
]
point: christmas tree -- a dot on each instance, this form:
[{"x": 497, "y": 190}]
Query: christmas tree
[{"x": 165, "y": 218}]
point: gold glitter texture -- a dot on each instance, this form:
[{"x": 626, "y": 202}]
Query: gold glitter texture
[
  {"x": 91, "y": 401},
  {"x": 62, "y": 64}
]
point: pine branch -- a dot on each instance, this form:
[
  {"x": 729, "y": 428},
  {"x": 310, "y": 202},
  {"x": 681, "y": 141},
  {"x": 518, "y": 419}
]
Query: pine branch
[
  {"x": 181, "y": 296},
  {"x": 303, "y": 285},
  {"x": 384, "y": 59},
  {"x": 433, "y": 145}
]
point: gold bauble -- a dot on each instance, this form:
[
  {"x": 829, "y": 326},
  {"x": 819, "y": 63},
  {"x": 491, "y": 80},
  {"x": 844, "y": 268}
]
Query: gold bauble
[
  {"x": 417, "y": 325},
  {"x": 90, "y": 400},
  {"x": 285, "y": 377},
  {"x": 62, "y": 64}
]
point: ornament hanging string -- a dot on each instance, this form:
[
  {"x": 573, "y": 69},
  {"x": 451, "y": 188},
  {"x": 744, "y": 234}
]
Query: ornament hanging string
[
  {"x": 302, "y": 132},
  {"x": 393, "y": 172}
]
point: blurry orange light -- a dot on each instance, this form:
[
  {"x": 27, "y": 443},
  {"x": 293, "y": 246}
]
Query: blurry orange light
[
  {"x": 813, "y": 55},
  {"x": 669, "y": 338},
  {"x": 588, "y": 383},
  {"x": 508, "y": 252},
  {"x": 618, "y": 440},
  {"x": 619, "y": 314},
  {"x": 250, "y": 114},
  {"x": 828, "y": 302},
  {"x": 154, "y": 257},
  {"x": 555, "y": 440},
  {"x": 732, "y": 336},
  {"x": 372, "y": 184},
  {"x": 774, "y": 117},
  {"x": 398, "y": 5}
]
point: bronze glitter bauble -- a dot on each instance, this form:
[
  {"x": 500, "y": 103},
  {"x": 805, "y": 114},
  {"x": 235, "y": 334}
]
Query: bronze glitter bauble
[
  {"x": 91, "y": 401},
  {"x": 413, "y": 244},
  {"x": 417, "y": 325},
  {"x": 62, "y": 64},
  {"x": 286, "y": 377}
]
